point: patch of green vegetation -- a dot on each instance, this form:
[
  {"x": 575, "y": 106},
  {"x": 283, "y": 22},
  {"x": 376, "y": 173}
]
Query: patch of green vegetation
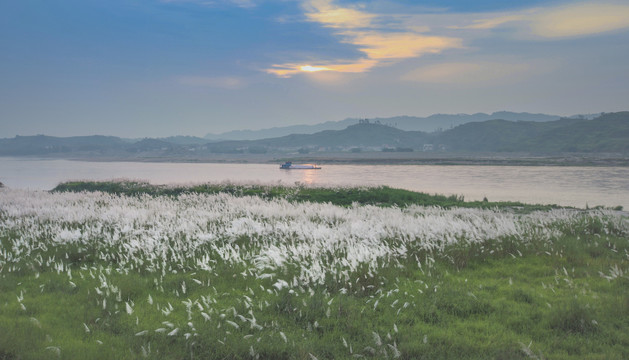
[
  {"x": 342, "y": 196},
  {"x": 548, "y": 300}
]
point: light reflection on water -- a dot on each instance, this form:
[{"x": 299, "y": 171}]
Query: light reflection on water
[{"x": 573, "y": 186}]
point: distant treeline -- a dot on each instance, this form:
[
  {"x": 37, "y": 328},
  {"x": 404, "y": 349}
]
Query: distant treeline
[{"x": 608, "y": 133}]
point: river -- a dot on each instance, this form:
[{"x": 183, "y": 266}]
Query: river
[{"x": 570, "y": 186}]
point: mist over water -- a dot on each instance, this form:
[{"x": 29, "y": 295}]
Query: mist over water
[{"x": 571, "y": 186}]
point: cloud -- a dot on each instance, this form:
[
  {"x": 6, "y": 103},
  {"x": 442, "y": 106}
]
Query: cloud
[
  {"x": 572, "y": 20},
  {"x": 381, "y": 43},
  {"x": 324, "y": 12},
  {"x": 580, "y": 19},
  {"x": 348, "y": 66},
  {"x": 387, "y": 39},
  {"x": 223, "y": 82},
  {"x": 490, "y": 23},
  {"x": 468, "y": 73}
]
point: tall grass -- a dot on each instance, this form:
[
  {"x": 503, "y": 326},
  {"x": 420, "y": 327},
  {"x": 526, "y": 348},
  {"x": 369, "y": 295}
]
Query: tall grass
[{"x": 198, "y": 275}]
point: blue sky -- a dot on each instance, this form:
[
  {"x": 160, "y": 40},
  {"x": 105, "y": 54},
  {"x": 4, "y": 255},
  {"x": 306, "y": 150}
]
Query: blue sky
[{"x": 189, "y": 67}]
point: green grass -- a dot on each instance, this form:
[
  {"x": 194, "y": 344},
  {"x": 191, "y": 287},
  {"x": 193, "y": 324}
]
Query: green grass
[
  {"x": 503, "y": 298},
  {"x": 342, "y": 196},
  {"x": 491, "y": 307}
]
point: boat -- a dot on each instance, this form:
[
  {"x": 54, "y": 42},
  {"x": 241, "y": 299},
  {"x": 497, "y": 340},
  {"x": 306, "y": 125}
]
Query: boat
[{"x": 289, "y": 166}]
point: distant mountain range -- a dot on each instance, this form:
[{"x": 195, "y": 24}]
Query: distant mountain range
[
  {"x": 607, "y": 133},
  {"x": 409, "y": 123}
]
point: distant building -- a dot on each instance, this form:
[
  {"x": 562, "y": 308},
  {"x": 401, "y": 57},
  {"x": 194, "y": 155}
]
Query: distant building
[{"x": 429, "y": 147}]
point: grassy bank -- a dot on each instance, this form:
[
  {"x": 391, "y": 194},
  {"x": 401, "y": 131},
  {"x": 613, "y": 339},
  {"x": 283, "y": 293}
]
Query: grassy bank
[
  {"x": 497, "y": 308},
  {"x": 342, "y": 196},
  {"x": 214, "y": 276}
]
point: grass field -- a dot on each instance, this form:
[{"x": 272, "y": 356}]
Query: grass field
[{"x": 129, "y": 270}]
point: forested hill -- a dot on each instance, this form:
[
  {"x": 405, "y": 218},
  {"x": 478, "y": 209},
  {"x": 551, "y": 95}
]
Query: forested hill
[
  {"x": 430, "y": 123},
  {"x": 358, "y": 135},
  {"x": 608, "y": 133}
]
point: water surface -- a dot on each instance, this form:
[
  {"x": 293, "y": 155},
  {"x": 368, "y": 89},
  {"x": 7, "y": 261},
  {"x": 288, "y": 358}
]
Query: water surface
[{"x": 572, "y": 186}]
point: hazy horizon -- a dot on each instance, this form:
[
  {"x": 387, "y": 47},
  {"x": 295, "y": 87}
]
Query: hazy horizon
[
  {"x": 288, "y": 125},
  {"x": 191, "y": 67}
]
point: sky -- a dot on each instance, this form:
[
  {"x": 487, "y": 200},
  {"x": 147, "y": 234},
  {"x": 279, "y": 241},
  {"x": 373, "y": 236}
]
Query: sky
[{"x": 155, "y": 68}]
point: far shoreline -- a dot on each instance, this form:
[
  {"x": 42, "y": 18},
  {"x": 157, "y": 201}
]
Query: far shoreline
[{"x": 364, "y": 158}]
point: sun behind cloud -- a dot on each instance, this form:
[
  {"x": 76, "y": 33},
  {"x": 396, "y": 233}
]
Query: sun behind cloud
[
  {"x": 388, "y": 39},
  {"x": 313, "y": 68},
  {"x": 341, "y": 66},
  {"x": 381, "y": 43}
]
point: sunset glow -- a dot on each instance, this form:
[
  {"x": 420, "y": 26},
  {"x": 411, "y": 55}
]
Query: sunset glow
[
  {"x": 186, "y": 66},
  {"x": 314, "y": 179},
  {"x": 309, "y": 68}
]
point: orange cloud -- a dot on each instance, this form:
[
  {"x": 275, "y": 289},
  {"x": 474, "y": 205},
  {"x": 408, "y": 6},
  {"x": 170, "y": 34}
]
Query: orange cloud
[
  {"x": 399, "y": 45},
  {"x": 379, "y": 45},
  {"x": 384, "y": 42}
]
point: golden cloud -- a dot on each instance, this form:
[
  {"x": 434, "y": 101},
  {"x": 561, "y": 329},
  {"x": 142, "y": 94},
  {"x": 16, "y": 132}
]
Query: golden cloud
[
  {"x": 358, "y": 28},
  {"x": 384, "y": 42},
  {"x": 580, "y": 19},
  {"x": 324, "y": 12},
  {"x": 577, "y": 19},
  {"x": 399, "y": 45}
]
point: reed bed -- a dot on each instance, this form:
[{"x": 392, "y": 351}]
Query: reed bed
[{"x": 234, "y": 276}]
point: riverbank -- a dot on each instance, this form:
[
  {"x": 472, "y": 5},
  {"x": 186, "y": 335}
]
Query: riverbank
[
  {"x": 489, "y": 159},
  {"x": 366, "y": 158}
]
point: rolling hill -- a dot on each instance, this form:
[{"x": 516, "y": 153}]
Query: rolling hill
[
  {"x": 408, "y": 123},
  {"x": 608, "y": 133}
]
